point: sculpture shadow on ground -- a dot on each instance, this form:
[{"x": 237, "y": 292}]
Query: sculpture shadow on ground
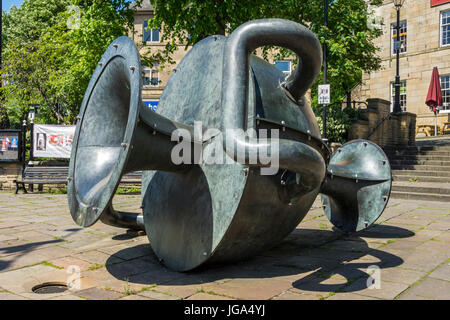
[
  {"x": 313, "y": 255},
  {"x": 21, "y": 250},
  {"x": 7, "y": 251}
]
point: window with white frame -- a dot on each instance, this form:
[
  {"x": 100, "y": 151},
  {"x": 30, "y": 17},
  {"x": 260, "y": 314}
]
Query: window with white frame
[
  {"x": 445, "y": 87},
  {"x": 402, "y": 95},
  {"x": 445, "y": 28},
  {"x": 151, "y": 76},
  {"x": 149, "y": 35},
  {"x": 401, "y": 38},
  {"x": 284, "y": 65}
]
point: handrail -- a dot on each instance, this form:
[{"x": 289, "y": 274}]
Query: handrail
[{"x": 378, "y": 125}]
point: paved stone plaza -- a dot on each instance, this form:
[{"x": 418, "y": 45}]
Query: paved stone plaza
[{"x": 39, "y": 243}]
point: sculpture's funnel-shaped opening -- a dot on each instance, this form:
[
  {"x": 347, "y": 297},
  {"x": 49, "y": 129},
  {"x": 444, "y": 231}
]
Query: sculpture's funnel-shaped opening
[{"x": 102, "y": 131}]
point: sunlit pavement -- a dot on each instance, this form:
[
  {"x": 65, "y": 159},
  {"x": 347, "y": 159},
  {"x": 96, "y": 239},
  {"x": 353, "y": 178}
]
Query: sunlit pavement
[{"x": 405, "y": 255}]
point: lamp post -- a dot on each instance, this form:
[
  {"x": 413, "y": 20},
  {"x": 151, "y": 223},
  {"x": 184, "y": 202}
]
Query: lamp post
[
  {"x": 397, "y": 44},
  {"x": 324, "y": 114},
  {"x": 33, "y": 112}
]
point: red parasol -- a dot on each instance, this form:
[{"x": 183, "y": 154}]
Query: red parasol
[{"x": 434, "y": 96}]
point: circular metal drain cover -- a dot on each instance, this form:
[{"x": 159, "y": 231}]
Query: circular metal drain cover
[{"x": 50, "y": 287}]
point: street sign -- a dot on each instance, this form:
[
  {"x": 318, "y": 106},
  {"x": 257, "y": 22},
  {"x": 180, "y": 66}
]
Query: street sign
[{"x": 324, "y": 94}]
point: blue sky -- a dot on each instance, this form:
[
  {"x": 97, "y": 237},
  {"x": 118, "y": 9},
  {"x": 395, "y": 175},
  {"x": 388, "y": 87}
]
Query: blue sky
[{"x": 8, "y": 3}]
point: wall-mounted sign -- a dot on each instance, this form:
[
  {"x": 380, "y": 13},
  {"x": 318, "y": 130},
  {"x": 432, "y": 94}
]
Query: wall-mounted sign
[
  {"x": 438, "y": 2},
  {"x": 152, "y": 105},
  {"x": 324, "y": 94},
  {"x": 52, "y": 141},
  {"x": 10, "y": 145}
]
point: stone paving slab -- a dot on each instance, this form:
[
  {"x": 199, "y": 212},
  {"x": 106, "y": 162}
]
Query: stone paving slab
[{"x": 409, "y": 246}]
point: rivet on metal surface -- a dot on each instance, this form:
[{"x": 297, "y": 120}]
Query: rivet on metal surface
[
  {"x": 246, "y": 171},
  {"x": 283, "y": 183},
  {"x": 95, "y": 210},
  {"x": 283, "y": 123},
  {"x": 124, "y": 145},
  {"x": 385, "y": 198},
  {"x": 366, "y": 223},
  {"x": 132, "y": 68},
  {"x": 384, "y": 162},
  {"x": 69, "y": 179},
  {"x": 100, "y": 64},
  {"x": 205, "y": 254},
  {"x": 365, "y": 144},
  {"x": 115, "y": 45}
]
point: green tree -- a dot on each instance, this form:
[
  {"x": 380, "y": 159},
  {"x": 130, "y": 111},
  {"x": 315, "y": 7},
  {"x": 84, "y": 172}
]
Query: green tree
[
  {"x": 350, "y": 40},
  {"x": 50, "y": 61}
]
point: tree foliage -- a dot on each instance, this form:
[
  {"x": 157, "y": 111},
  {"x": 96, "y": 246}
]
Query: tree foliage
[
  {"x": 349, "y": 37},
  {"x": 49, "y": 61}
]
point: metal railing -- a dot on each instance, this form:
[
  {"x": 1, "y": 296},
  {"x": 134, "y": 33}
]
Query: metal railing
[{"x": 378, "y": 125}]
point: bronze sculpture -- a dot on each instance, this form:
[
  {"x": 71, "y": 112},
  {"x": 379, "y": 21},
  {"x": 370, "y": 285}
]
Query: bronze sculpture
[{"x": 234, "y": 111}]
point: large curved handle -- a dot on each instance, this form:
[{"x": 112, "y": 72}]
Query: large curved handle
[
  {"x": 292, "y": 155},
  {"x": 255, "y": 34}
]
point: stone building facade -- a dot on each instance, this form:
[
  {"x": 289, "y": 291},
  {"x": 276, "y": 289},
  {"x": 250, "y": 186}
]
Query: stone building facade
[
  {"x": 425, "y": 40},
  {"x": 155, "y": 78}
]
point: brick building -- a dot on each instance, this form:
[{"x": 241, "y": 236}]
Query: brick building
[{"x": 425, "y": 43}]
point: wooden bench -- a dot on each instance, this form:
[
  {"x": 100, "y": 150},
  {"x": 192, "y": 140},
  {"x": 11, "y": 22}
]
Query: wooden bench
[
  {"x": 428, "y": 130},
  {"x": 58, "y": 175},
  {"x": 446, "y": 128},
  {"x": 42, "y": 175},
  {"x": 132, "y": 178}
]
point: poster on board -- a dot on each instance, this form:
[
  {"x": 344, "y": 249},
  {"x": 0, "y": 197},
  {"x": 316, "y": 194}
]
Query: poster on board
[
  {"x": 52, "y": 141},
  {"x": 9, "y": 145}
]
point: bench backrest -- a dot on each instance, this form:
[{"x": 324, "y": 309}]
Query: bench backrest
[
  {"x": 61, "y": 173},
  {"x": 46, "y": 173}
]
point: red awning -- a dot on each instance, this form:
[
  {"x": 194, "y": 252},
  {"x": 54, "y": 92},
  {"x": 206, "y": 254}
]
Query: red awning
[{"x": 434, "y": 96}]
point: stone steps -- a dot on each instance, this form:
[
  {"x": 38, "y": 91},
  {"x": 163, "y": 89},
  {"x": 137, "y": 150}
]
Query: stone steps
[
  {"x": 419, "y": 153},
  {"x": 421, "y": 148},
  {"x": 420, "y": 196},
  {"x": 409, "y": 162},
  {"x": 421, "y": 172},
  {"x": 420, "y": 157},
  {"x": 423, "y": 187},
  {"x": 413, "y": 178},
  {"x": 420, "y": 168}
]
